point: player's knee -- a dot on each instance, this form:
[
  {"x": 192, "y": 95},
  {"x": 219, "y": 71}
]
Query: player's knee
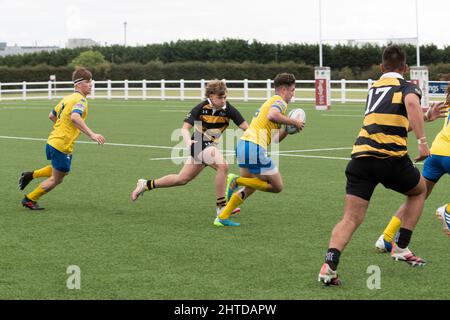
[
  {"x": 223, "y": 167},
  {"x": 277, "y": 188}
]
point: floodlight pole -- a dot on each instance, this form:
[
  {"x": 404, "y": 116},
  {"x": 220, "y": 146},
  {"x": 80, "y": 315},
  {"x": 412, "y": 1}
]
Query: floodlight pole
[
  {"x": 417, "y": 35},
  {"x": 125, "y": 34},
  {"x": 320, "y": 34}
]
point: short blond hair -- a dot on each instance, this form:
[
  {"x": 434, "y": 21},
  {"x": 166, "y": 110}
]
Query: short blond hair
[{"x": 215, "y": 86}]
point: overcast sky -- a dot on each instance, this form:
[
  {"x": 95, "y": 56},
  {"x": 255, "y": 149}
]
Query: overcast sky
[{"x": 45, "y": 22}]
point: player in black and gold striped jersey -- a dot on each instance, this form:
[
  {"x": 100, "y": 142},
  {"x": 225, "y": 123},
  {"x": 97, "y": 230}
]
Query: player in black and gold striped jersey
[
  {"x": 209, "y": 119},
  {"x": 380, "y": 156}
]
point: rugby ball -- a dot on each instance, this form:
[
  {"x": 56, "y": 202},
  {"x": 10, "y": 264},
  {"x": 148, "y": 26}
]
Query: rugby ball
[{"x": 295, "y": 114}]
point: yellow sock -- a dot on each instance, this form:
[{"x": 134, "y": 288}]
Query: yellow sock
[
  {"x": 36, "y": 193},
  {"x": 43, "y": 172},
  {"x": 391, "y": 229},
  {"x": 253, "y": 183},
  {"x": 235, "y": 201}
]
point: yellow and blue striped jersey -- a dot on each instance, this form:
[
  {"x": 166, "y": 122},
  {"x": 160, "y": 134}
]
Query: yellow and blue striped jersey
[
  {"x": 385, "y": 129},
  {"x": 64, "y": 133},
  {"x": 441, "y": 144},
  {"x": 260, "y": 129}
]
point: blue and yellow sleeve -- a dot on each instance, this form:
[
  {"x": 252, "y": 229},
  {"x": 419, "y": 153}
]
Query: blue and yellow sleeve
[
  {"x": 280, "y": 105},
  {"x": 79, "y": 107}
]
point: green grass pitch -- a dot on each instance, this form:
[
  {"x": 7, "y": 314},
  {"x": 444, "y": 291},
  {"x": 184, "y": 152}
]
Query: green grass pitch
[{"x": 165, "y": 246}]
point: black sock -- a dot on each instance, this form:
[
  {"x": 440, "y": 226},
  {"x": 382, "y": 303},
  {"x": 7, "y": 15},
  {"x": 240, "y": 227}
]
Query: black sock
[
  {"x": 151, "y": 184},
  {"x": 332, "y": 258},
  {"x": 221, "y": 202},
  {"x": 404, "y": 238}
]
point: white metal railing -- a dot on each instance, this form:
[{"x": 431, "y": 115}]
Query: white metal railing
[{"x": 342, "y": 91}]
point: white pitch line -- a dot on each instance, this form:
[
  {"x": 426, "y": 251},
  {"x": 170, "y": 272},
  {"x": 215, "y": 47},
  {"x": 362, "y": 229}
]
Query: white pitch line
[
  {"x": 312, "y": 150},
  {"x": 175, "y": 158},
  {"x": 91, "y": 142},
  {"x": 341, "y": 115},
  {"x": 26, "y": 108},
  {"x": 227, "y": 152},
  {"x": 316, "y": 157}
]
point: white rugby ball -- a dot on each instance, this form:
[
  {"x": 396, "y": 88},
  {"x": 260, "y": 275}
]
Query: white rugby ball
[{"x": 295, "y": 114}]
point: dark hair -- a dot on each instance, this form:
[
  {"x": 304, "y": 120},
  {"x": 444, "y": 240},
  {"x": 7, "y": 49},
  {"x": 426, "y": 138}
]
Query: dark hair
[
  {"x": 394, "y": 58},
  {"x": 284, "y": 79},
  {"x": 81, "y": 74}
]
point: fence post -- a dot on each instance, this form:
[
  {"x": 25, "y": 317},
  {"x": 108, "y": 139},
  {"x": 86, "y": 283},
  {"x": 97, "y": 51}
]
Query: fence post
[
  {"x": 0, "y": 91},
  {"x": 343, "y": 88},
  {"x": 24, "y": 90},
  {"x": 126, "y": 89},
  {"x": 144, "y": 89},
  {"x": 108, "y": 89},
  {"x": 269, "y": 89},
  {"x": 202, "y": 88},
  {"x": 182, "y": 89},
  {"x": 245, "y": 90},
  {"x": 163, "y": 89},
  {"x": 93, "y": 89},
  {"x": 49, "y": 87}
]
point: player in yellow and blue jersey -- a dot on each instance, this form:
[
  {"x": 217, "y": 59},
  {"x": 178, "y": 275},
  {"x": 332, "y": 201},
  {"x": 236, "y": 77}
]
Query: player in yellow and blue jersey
[
  {"x": 434, "y": 168},
  {"x": 257, "y": 170},
  {"x": 68, "y": 117}
]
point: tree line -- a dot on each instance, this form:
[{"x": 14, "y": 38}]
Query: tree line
[
  {"x": 205, "y": 59},
  {"x": 234, "y": 50}
]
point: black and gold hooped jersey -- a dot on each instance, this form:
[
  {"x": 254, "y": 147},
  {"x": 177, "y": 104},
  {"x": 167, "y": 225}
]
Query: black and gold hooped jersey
[
  {"x": 209, "y": 123},
  {"x": 385, "y": 130}
]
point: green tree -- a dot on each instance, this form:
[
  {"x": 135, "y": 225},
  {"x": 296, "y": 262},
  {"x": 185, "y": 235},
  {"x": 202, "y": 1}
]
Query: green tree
[{"x": 89, "y": 59}]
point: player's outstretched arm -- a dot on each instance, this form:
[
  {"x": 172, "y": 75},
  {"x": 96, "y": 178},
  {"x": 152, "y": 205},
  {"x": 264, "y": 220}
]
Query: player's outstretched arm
[
  {"x": 415, "y": 116},
  {"x": 435, "y": 111},
  {"x": 243, "y": 126},
  {"x": 185, "y": 131},
  {"x": 80, "y": 124}
]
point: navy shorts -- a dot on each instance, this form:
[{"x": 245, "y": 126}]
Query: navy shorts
[{"x": 60, "y": 161}]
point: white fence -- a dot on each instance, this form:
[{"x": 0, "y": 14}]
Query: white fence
[{"x": 342, "y": 91}]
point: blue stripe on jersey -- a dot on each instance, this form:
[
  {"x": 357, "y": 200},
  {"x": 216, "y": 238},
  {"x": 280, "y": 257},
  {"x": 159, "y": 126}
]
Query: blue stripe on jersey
[
  {"x": 54, "y": 112},
  {"x": 278, "y": 107},
  {"x": 78, "y": 111}
]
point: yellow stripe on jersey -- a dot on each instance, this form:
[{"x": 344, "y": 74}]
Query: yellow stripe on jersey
[
  {"x": 386, "y": 120},
  {"x": 383, "y": 138},
  {"x": 441, "y": 144},
  {"x": 64, "y": 133},
  {"x": 386, "y": 82},
  {"x": 213, "y": 119},
  {"x": 377, "y": 153},
  {"x": 397, "y": 98},
  {"x": 261, "y": 129}
]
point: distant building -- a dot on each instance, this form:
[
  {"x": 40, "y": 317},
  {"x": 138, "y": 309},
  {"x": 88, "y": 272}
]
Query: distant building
[
  {"x": 19, "y": 50},
  {"x": 81, "y": 43}
]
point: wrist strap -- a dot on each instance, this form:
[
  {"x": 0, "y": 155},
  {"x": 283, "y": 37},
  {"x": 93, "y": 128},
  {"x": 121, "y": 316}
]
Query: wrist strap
[{"x": 422, "y": 140}]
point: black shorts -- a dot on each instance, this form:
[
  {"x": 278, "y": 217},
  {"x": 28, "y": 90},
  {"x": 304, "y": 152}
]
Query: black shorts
[
  {"x": 199, "y": 146},
  {"x": 364, "y": 173}
]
